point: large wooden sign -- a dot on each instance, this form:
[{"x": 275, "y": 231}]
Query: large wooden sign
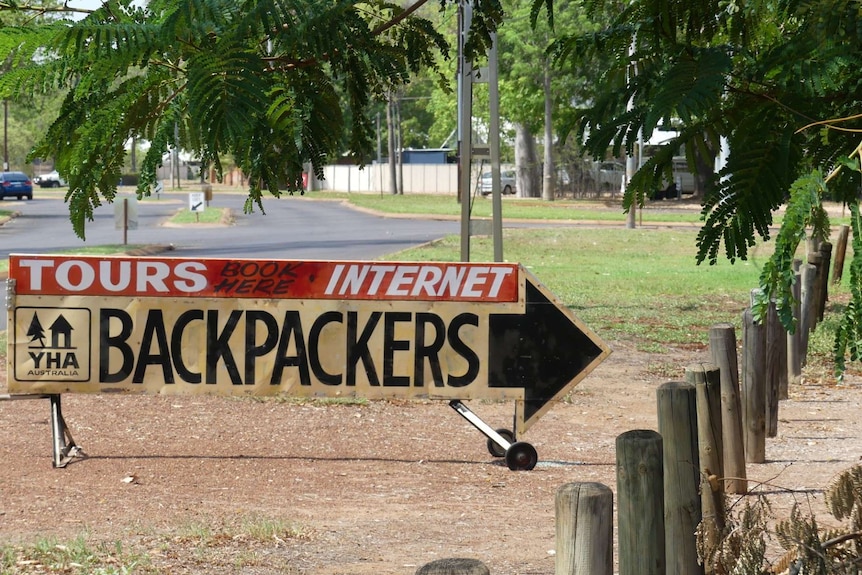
[{"x": 303, "y": 328}]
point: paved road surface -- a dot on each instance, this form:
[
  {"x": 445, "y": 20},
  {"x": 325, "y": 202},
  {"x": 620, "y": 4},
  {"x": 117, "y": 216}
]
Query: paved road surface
[{"x": 292, "y": 228}]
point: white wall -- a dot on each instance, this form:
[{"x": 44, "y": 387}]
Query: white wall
[{"x": 418, "y": 179}]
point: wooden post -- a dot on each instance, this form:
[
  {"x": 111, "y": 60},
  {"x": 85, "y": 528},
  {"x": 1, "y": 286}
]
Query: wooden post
[
  {"x": 753, "y": 388},
  {"x": 706, "y": 379},
  {"x": 794, "y": 340},
  {"x": 776, "y": 368},
  {"x": 815, "y": 259},
  {"x": 640, "y": 503},
  {"x": 125, "y": 221},
  {"x": 454, "y": 566},
  {"x": 823, "y": 277},
  {"x": 722, "y": 349},
  {"x": 677, "y": 424},
  {"x": 809, "y": 280},
  {"x": 585, "y": 529},
  {"x": 840, "y": 254}
]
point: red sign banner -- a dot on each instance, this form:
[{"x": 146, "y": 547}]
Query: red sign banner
[{"x": 275, "y": 279}]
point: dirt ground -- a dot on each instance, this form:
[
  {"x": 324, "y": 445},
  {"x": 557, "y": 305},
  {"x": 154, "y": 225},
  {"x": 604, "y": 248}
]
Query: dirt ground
[{"x": 365, "y": 489}]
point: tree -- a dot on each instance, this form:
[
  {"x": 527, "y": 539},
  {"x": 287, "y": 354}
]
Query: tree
[
  {"x": 534, "y": 95},
  {"x": 777, "y": 80},
  {"x": 253, "y": 79},
  {"x": 35, "y": 331}
]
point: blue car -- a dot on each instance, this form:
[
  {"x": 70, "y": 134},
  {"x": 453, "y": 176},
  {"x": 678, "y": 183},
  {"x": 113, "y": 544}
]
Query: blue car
[{"x": 16, "y": 184}]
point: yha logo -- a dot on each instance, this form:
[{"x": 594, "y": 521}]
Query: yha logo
[{"x": 52, "y": 352}]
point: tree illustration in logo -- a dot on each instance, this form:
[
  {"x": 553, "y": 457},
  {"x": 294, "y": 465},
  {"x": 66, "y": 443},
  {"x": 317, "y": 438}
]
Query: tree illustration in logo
[{"x": 36, "y": 331}]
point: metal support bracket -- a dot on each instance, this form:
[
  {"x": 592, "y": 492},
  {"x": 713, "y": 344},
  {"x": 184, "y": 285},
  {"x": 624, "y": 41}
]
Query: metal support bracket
[
  {"x": 477, "y": 422},
  {"x": 64, "y": 447}
]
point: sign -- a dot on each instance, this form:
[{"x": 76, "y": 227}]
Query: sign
[
  {"x": 304, "y": 328},
  {"x": 126, "y": 213},
  {"x": 197, "y": 202}
]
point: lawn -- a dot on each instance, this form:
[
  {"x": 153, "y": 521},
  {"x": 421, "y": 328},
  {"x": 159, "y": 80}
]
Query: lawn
[{"x": 639, "y": 284}]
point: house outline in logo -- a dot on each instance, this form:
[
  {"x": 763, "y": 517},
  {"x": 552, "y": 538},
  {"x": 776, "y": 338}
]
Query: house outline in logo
[{"x": 59, "y": 329}]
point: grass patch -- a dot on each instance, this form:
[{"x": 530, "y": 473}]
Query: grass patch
[
  {"x": 208, "y": 216},
  {"x": 225, "y": 547},
  {"x": 638, "y": 285},
  {"x": 606, "y": 211},
  {"x": 75, "y": 557},
  {"x": 513, "y": 208},
  {"x": 316, "y": 401}
]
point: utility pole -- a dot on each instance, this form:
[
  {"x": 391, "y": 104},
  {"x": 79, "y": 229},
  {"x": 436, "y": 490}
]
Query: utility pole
[
  {"x": 5, "y": 135},
  {"x": 465, "y": 125},
  {"x": 390, "y": 122},
  {"x": 466, "y": 77},
  {"x": 494, "y": 145}
]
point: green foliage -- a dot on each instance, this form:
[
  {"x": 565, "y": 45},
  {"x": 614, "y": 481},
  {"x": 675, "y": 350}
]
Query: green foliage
[
  {"x": 753, "y": 75},
  {"x": 775, "y": 81},
  {"x": 848, "y": 336},
  {"x": 804, "y": 210},
  {"x": 271, "y": 83}
]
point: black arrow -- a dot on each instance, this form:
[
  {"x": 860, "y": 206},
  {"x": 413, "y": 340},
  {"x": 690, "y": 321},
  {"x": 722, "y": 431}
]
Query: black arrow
[
  {"x": 542, "y": 351},
  {"x": 196, "y": 206}
]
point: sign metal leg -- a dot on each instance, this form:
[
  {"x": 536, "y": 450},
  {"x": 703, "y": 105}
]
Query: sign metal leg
[
  {"x": 483, "y": 427},
  {"x": 520, "y": 456},
  {"x": 65, "y": 448}
]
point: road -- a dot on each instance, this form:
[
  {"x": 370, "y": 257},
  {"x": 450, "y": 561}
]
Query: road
[{"x": 292, "y": 228}]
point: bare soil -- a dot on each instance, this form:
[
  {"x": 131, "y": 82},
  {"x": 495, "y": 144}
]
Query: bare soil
[{"x": 384, "y": 487}]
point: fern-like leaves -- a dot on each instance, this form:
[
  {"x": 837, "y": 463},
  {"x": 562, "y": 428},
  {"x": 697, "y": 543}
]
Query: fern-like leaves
[
  {"x": 272, "y": 84},
  {"x": 804, "y": 212},
  {"x": 848, "y": 336}
]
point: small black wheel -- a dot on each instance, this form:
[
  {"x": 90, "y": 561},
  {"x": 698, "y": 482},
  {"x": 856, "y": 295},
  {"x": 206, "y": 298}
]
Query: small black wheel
[
  {"x": 495, "y": 449},
  {"x": 521, "y": 456}
]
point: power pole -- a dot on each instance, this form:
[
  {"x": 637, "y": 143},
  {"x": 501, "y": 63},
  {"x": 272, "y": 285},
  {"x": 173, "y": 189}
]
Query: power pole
[
  {"x": 465, "y": 125},
  {"x": 5, "y": 135},
  {"x": 466, "y": 78}
]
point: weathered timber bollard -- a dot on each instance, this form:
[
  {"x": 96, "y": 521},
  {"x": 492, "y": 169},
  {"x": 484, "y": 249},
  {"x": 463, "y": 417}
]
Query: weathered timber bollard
[
  {"x": 677, "y": 424},
  {"x": 840, "y": 254},
  {"x": 753, "y": 388},
  {"x": 815, "y": 259},
  {"x": 585, "y": 529},
  {"x": 454, "y": 566},
  {"x": 706, "y": 379},
  {"x": 722, "y": 349},
  {"x": 823, "y": 277},
  {"x": 809, "y": 280},
  {"x": 776, "y": 367},
  {"x": 794, "y": 340},
  {"x": 640, "y": 503}
]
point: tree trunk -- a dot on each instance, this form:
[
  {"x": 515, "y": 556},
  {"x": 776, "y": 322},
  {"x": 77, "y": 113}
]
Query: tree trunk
[
  {"x": 526, "y": 162},
  {"x": 704, "y": 172},
  {"x": 548, "y": 165},
  {"x": 390, "y": 124}
]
